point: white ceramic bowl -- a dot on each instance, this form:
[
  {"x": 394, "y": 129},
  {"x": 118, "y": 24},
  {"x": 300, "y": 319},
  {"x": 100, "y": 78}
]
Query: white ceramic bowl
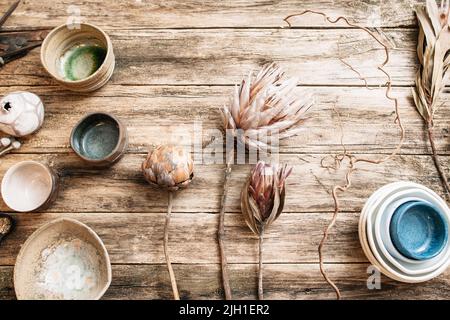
[
  {"x": 28, "y": 186},
  {"x": 414, "y": 268},
  {"x": 372, "y": 251},
  {"x": 362, "y": 228}
]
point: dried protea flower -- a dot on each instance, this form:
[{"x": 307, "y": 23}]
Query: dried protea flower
[
  {"x": 168, "y": 167},
  {"x": 262, "y": 201},
  {"x": 265, "y": 104}
]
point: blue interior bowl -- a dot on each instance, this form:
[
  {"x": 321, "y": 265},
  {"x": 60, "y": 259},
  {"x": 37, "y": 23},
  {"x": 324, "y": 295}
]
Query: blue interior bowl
[{"x": 418, "y": 230}]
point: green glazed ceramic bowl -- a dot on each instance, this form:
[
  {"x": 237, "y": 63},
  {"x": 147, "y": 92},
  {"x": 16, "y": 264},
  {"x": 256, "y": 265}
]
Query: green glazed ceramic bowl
[{"x": 80, "y": 58}]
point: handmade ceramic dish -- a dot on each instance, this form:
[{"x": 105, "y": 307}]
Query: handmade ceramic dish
[
  {"x": 29, "y": 186},
  {"x": 100, "y": 139},
  {"x": 375, "y": 238},
  {"x": 362, "y": 228},
  {"x": 62, "y": 260},
  {"x": 372, "y": 250},
  {"x": 382, "y": 223},
  {"x": 419, "y": 230},
  {"x": 80, "y": 58}
]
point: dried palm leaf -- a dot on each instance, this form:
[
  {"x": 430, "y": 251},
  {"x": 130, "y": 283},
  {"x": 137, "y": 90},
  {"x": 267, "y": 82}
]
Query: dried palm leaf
[
  {"x": 263, "y": 105},
  {"x": 433, "y": 51},
  {"x": 262, "y": 201}
]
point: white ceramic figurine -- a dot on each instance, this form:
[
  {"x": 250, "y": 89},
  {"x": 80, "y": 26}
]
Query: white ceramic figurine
[{"x": 21, "y": 113}]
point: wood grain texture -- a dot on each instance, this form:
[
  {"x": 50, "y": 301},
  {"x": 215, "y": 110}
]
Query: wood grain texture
[
  {"x": 167, "y": 113},
  {"x": 177, "y": 63},
  {"x": 141, "y": 14},
  {"x": 223, "y": 56},
  {"x": 122, "y": 188},
  {"x": 137, "y": 238},
  {"x": 281, "y": 281}
]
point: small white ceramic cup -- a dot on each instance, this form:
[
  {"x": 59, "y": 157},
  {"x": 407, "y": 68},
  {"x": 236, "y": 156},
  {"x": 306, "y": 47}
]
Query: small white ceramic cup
[{"x": 29, "y": 186}]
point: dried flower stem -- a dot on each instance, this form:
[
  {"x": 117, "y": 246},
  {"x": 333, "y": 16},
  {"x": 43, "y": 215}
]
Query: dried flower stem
[
  {"x": 354, "y": 160},
  {"x": 260, "y": 267},
  {"x": 221, "y": 231},
  {"x": 173, "y": 281},
  {"x": 435, "y": 156}
]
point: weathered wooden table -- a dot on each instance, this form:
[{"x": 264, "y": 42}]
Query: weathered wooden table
[{"x": 176, "y": 63}]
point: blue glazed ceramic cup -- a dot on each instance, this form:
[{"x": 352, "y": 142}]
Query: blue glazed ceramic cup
[{"x": 419, "y": 230}]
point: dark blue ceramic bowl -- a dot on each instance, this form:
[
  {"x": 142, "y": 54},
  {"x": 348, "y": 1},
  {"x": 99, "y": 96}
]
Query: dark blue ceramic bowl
[{"x": 418, "y": 230}]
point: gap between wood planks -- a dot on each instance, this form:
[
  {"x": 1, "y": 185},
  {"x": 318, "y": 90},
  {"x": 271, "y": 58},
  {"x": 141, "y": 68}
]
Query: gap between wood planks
[
  {"x": 11, "y": 29},
  {"x": 230, "y": 263}
]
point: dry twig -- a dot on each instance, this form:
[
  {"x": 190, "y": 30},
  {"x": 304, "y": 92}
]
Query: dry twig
[{"x": 353, "y": 160}]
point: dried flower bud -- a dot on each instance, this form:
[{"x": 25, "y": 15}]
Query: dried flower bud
[
  {"x": 168, "y": 167},
  {"x": 262, "y": 199}
]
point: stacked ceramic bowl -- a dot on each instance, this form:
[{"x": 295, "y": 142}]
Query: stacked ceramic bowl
[{"x": 403, "y": 231}]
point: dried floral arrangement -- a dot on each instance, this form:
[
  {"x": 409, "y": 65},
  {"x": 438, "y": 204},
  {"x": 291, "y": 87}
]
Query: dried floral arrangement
[
  {"x": 433, "y": 51},
  {"x": 262, "y": 105},
  {"x": 170, "y": 168},
  {"x": 345, "y": 155},
  {"x": 262, "y": 201}
]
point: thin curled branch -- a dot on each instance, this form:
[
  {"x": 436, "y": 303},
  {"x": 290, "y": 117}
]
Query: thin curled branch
[{"x": 353, "y": 160}]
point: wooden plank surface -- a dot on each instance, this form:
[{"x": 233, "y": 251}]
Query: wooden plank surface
[
  {"x": 123, "y": 188},
  {"x": 366, "y": 115},
  {"x": 144, "y": 14},
  {"x": 282, "y": 281},
  {"x": 176, "y": 64},
  {"x": 223, "y": 56}
]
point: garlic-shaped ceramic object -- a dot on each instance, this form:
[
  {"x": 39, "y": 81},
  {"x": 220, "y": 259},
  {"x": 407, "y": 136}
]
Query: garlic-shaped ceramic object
[{"x": 21, "y": 113}]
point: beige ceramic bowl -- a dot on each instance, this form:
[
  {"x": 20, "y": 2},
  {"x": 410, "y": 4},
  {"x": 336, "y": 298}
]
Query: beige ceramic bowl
[
  {"x": 62, "y": 260},
  {"x": 63, "y": 39}
]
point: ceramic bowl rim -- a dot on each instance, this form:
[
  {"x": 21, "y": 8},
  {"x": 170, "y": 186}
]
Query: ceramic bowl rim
[
  {"x": 91, "y": 232},
  {"x": 11, "y": 171},
  {"x": 372, "y": 253},
  {"x": 436, "y": 213},
  {"x": 381, "y": 203},
  {"x": 368, "y": 251},
  {"x": 122, "y": 133},
  {"x": 385, "y": 228},
  {"x": 59, "y": 28}
]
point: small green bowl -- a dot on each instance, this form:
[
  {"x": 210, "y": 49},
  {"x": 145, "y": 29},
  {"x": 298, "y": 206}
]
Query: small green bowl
[{"x": 100, "y": 139}]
